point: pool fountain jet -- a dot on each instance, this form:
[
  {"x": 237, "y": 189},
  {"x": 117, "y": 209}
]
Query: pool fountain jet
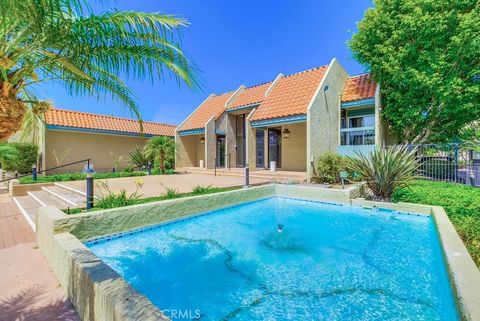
[{"x": 280, "y": 228}]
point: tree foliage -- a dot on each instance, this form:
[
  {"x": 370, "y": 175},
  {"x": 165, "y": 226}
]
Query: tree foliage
[
  {"x": 426, "y": 56},
  {"x": 65, "y": 42}
]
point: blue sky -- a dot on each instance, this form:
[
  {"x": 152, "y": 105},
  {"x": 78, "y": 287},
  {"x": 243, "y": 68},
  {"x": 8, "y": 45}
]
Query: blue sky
[{"x": 235, "y": 42}]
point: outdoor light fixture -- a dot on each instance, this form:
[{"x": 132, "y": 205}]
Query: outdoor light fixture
[
  {"x": 202, "y": 140},
  {"x": 286, "y": 133}
]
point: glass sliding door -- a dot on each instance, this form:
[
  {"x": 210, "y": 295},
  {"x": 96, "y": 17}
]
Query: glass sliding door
[
  {"x": 275, "y": 146},
  {"x": 260, "y": 148},
  {"x": 240, "y": 140}
]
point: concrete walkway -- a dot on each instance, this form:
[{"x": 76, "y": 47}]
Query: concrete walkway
[
  {"x": 28, "y": 288},
  {"x": 157, "y": 185},
  {"x": 14, "y": 229}
]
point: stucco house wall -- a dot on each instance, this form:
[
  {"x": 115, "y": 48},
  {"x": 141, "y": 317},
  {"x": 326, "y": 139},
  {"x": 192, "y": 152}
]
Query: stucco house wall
[
  {"x": 294, "y": 149},
  {"x": 190, "y": 151},
  {"x": 323, "y": 115},
  {"x": 103, "y": 149}
]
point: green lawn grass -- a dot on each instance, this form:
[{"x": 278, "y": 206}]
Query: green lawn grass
[
  {"x": 461, "y": 202},
  {"x": 81, "y": 176}
]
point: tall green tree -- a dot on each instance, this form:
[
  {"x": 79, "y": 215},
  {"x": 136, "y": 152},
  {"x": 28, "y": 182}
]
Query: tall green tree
[
  {"x": 65, "y": 42},
  {"x": 161, "y": 147},
  {"x": 426, "y": 56}
]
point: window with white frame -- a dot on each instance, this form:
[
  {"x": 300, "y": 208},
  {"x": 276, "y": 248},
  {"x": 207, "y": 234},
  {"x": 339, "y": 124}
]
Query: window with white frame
[{"x": 357, "y": 130}]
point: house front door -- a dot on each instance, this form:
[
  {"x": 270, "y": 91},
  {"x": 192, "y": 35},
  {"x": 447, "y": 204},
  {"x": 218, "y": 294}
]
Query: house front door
[
  {"x": 275, "y": 146},
  {"x": 220, "y": 150}
]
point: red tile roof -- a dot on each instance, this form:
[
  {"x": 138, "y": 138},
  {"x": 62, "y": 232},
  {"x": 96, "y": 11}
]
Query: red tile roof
[
  {"x": 76, "y": 119},
  {"x": 291, "y": 95},
  {"x": 359, "y": 87},
  {"x": 213, "y": 106},
  {"x": 251, "y": 95}
]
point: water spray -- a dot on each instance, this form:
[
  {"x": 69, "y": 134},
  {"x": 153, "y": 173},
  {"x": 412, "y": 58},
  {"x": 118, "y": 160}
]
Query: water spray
[{"x": 280, "y": 228}]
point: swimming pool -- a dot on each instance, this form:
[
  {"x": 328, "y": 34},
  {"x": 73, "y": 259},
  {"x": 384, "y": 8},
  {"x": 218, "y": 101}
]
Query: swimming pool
[{"x": 330, "y": 262}]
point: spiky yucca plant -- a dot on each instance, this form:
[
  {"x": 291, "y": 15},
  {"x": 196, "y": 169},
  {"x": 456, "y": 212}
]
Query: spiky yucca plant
[{"x": 385, "y": 169}]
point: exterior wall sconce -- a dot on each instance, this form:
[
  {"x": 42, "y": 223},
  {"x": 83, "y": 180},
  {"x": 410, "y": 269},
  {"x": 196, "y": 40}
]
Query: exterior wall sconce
[
  {"x": 286, "y": 133},
  {"x": 202, "y": 140}
]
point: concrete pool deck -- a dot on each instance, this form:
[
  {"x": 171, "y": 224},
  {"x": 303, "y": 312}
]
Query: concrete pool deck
[
  {"x": 156, "y": 185},
  {"x": 99, "y": 293}
]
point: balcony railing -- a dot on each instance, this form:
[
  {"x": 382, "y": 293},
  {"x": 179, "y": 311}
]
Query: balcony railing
[{"x": 357, "y": 136}]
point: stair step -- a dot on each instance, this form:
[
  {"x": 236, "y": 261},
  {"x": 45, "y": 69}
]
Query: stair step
[
  {"x": 72, "y": 189},
  {"x": 46, "y": 199},
  {"x": 67, "y": 196},
  {"x": 28, "y": 207}
]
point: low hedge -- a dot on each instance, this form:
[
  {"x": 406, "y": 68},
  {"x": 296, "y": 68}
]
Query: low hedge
[
  {"x": 461, "y": 202},
  {"x": 81, "y": 176},
  {"x": 26, "y": 157}
]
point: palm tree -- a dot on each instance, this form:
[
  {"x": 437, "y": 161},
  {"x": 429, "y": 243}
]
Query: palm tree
[
  {"x": 162, "y": 147},
  {"x": 64, "y": 42},
  {"x": 385, "y": 169}
]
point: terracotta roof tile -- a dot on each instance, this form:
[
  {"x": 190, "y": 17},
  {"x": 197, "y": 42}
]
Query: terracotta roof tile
[
  {"x": 213, "y": 106},
  {"x": 359, "y": 87},
  {"x": 251, "y": 95},
  {"x": 76, "y": 119},
  {"x": 291, "y": 95}
]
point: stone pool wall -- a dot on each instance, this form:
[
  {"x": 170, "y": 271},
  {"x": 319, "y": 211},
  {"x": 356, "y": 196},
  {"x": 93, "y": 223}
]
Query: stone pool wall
[{"x": 99, "y": 293}]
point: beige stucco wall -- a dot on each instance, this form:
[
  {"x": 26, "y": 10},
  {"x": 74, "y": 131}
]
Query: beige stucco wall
[
  {"x": 251, "y": 142},
  {"x": 103, "y": 149},
  {"x": 210, "y": 144},
  {"x": 294, "y": 149},
  {"x": 189, "y": 151},
  {"x": 323, "y": 115}
]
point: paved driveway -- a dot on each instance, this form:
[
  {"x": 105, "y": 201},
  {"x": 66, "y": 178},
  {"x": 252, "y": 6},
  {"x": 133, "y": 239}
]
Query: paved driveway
[{"x": 156, "y": 185}]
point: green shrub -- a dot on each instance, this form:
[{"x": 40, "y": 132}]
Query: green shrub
[
  {"x": 156, "y": 171},
  {"x": 461, "y": 202},
  {"x": 138, "y": 158},
  {"x": 171, "y": 193},
  {"x": 25, "y": 158},
  {"x": 198, "y": 189},
  {"x": 109, "y": 199},
  {"x": 329, "y": 166}
]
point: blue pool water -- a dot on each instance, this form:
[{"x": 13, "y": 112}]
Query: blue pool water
[{"x": 330, "y": 263}]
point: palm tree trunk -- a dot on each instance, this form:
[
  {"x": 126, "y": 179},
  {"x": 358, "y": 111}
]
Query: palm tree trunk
[
  {"x": 12, "y": 112},
  {"x": 161, "y": 162}
]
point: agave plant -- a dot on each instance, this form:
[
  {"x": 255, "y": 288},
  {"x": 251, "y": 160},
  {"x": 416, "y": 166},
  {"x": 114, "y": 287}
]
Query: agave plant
[
  {"x": 138, "y": 157},
  {"x": 385, "y": 170},
  {"x": 70, "y": 44}
]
